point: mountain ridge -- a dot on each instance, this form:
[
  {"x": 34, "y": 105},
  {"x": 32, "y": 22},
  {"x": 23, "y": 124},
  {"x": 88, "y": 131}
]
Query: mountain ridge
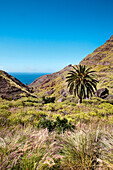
[
  {"x": 103, "y": 55},
  {"x": 12, "y": 88},
  {"x": 101, "y": 60}
]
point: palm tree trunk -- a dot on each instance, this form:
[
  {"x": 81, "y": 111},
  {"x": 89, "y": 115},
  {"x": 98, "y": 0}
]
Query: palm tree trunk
[{"x": 80, "y": 100}]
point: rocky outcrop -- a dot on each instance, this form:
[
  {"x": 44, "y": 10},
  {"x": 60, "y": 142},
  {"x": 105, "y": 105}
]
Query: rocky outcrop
[
  {"x": 63, "y": 93},
  {"x": 60, "y": 100},
  {"x": 102, "y": 93}
]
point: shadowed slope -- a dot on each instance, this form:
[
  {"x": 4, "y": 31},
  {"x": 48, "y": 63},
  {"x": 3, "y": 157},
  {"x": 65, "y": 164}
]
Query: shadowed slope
[{"x": 12, "y": 88}]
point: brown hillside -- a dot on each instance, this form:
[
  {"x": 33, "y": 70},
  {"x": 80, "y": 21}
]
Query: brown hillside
[
  {"x": 52, "y": 84},
  {"x": 103, "y": 55},
  {"x": 101, "y": 60},
  {"x": 12, "y": 88}
]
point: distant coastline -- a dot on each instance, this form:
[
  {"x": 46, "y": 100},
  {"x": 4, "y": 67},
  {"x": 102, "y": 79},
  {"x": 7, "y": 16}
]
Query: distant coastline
[{"x": 27, "y": 78}]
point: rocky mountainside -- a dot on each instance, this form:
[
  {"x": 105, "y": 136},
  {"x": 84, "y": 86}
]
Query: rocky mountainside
[
  {"x": 101, "y": 60},
  {"x": 103, "y": 55},
  {"x": 11, "y": 88},
  {"x": 52, "y": 84}
]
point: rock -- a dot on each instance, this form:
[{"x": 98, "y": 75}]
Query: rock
[
  {"x": 110, "y": 97},
  {"x": 52, "y": 84},
  {"x": 60, "y": 100},
  {"x": 63, "y": 78},
  {"x": 102, "y": 93},
  {"x": 49, "y": 92},
  {"x": 63, "y": 93}
]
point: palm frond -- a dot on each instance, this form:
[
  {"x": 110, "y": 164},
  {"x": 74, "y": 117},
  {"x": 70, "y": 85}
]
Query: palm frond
[
  {"x": 82, "y": 81},
  {"x": 71, "y": 88}
]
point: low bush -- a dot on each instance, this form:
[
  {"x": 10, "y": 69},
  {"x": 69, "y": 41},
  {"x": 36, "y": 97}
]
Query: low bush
[
  {"x": 4, "y": 114},
  {"x": 59, "y": 125},
  {"x": 48, "y": 99}
]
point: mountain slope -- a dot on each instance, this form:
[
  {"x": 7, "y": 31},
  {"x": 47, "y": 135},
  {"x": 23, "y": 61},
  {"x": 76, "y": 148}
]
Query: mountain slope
[
  {"x": 11, "y": 88},
  {"x": 52, "y": 84},
  {"x": 103, "y": 55},
  {"x": 101, "y": 60}
]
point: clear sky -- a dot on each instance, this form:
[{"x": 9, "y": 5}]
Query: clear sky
[{"x": 47, "y": 35}]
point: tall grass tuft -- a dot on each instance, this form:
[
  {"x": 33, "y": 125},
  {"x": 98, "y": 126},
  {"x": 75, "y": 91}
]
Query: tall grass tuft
[
  {"x": 23, "y": 148},
  {"x": 88, "y": 147}
]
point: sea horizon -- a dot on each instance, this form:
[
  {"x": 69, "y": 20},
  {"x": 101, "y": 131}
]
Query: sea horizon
[{"x": 27, "y": 77}]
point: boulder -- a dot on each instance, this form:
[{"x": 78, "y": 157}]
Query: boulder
[
  {"x": 63, "y": 93},
  {"x": 60, "y": 100},
  {"x": 110, "y": 97},
  {"x": 102, "y": 93}
]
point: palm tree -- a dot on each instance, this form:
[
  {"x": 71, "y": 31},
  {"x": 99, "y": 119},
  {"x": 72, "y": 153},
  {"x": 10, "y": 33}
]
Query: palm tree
[{"x": 82, "y": 82}]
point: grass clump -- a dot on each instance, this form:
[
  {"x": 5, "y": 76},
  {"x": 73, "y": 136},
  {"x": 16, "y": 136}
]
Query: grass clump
[
  {"x": 69, "y": 136},
  {"x": 86, "y": 147}
]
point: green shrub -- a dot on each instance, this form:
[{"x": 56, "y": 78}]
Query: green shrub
[
  {"x": 4, "y": 114},
  {"x": 18, "y": 103},
  {"x": 49, "y": 107},
  {"x": 48, "y": 100},
  {"x": 58, "y": 125},
  {"x": 84, "y": 117},
  {"x": 92, "y": 113},
  {"x": 3, "y": 106}
]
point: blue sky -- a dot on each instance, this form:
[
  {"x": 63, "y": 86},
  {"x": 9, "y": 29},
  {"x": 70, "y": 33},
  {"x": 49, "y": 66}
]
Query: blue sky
[{"x": 47, "y": 35}]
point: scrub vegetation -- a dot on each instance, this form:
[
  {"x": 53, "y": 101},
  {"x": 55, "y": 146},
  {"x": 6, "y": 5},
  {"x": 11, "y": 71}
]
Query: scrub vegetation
[
  {"x": 64, "y": 135},
  {"x": 42, "y": 127}
]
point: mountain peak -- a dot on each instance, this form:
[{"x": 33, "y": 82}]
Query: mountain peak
[
  {"x": 103, "y": 55},
  {"x": 111, "y": 39}
]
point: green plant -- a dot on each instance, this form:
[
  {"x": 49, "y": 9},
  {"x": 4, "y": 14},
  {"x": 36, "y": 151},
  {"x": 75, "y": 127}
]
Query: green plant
[
  {"x": 82, "y": 82},
  {"x": 4, "y": 114},
  {"x": 49, "y": 107},
  {"x": 58, "y": 125},
  {"x": 24, "y": 149},
  {"x": 48, "y": 100},
  {"x": 87, "y": 147}
]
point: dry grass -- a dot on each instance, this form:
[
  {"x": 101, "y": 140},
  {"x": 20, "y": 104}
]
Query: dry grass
[{"x": 87, "y": 147}]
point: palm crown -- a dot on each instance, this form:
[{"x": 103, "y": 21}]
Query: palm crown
[{"x": 82, "y": 82}]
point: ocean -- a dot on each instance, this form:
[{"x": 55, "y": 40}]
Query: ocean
[{"x": 27, "y": 78}]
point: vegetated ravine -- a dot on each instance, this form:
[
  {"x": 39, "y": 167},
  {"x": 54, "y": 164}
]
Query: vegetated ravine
[{"x": 42, "y": 126}]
